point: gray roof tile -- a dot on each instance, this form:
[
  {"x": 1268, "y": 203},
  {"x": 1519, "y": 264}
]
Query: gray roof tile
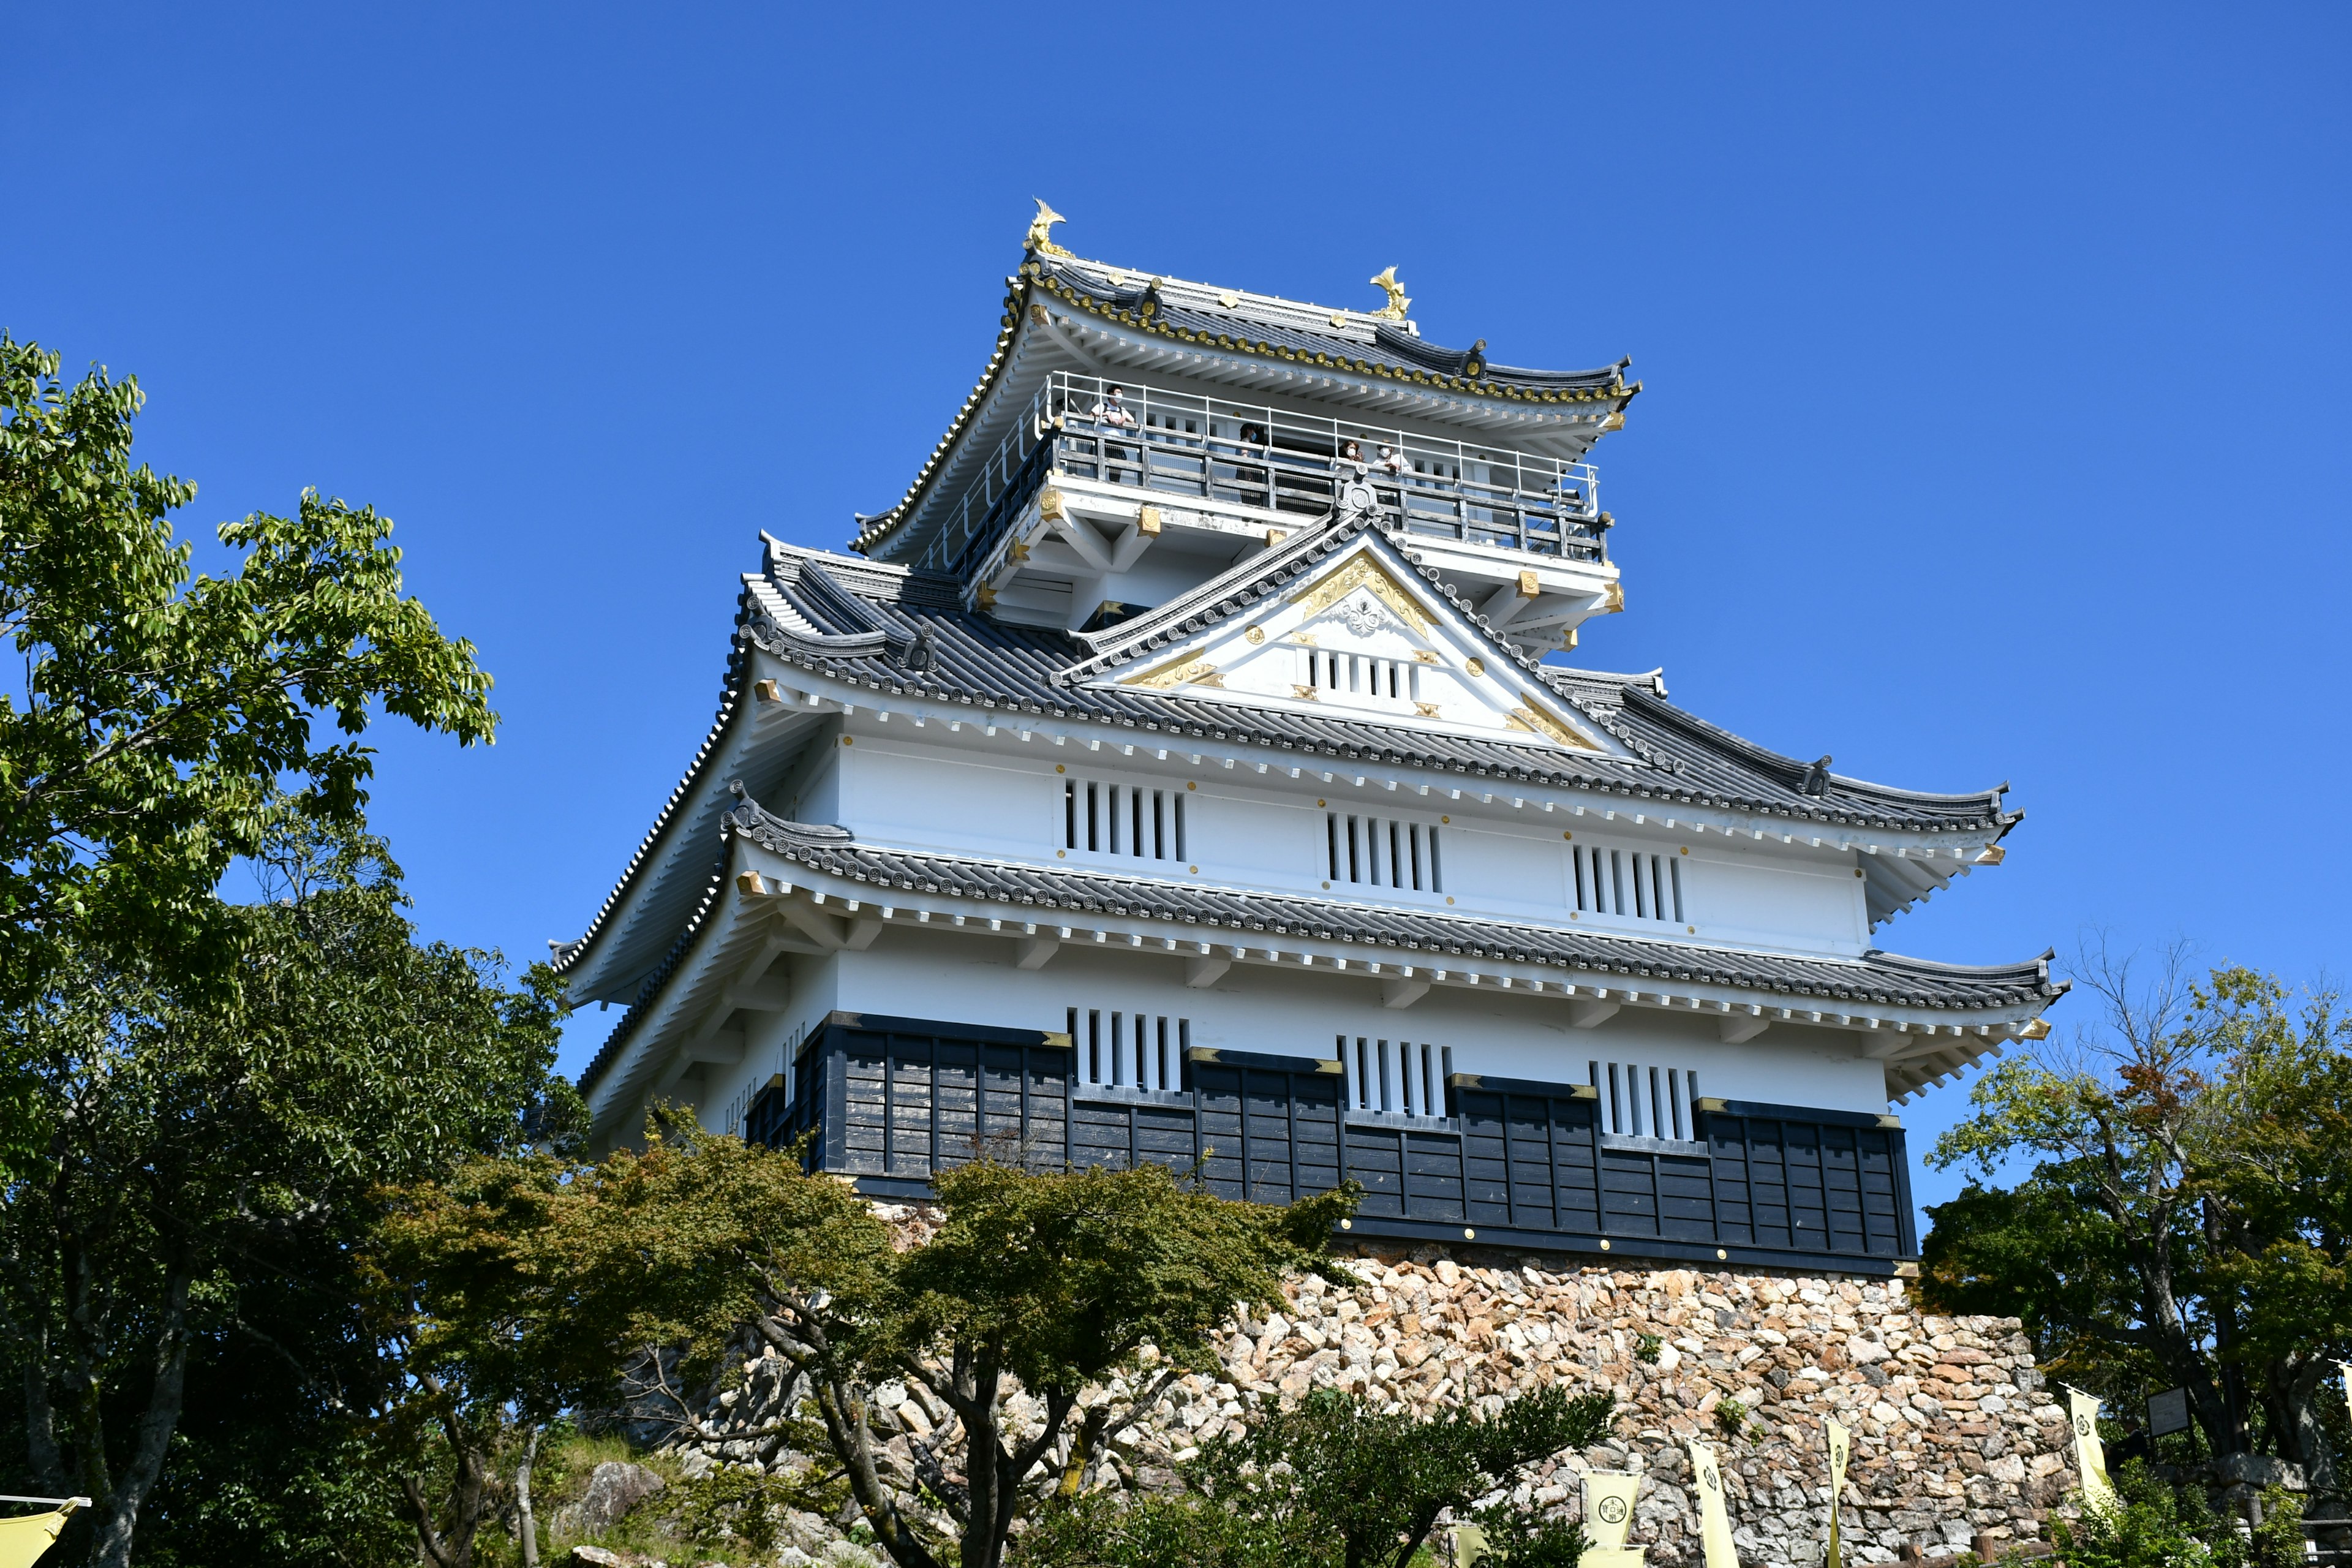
[
  {"x": 980, "y": 661},
  {"x": 1039, "y": 893}
]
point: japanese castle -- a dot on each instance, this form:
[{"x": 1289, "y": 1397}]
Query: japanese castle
[{"x": 1185, "y": 768}]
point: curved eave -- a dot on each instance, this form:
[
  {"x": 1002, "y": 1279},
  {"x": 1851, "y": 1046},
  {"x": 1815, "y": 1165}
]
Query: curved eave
[
  {"x": 878, "y": 684},
  {"x": 1859, "y": 795},
  {"x": 658, "y": 889},
  {"x": 1989, "y": 1001}
]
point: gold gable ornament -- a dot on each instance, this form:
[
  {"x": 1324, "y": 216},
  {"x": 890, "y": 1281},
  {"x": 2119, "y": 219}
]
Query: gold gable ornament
[
  {"x": 1361, "y": 571},
  {"x": 1181, "y": 673},
  {"x": 1386, "y": 281},
  {"x": 1541, "y": 724},
  {"x": 1041, "y": 230}
]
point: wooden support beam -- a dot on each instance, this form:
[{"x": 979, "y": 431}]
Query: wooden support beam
[
  {"x": 1740, "y": 1027},
  {"x": 1402, "y": 993},
  {"x": 1200, "y": 973}
]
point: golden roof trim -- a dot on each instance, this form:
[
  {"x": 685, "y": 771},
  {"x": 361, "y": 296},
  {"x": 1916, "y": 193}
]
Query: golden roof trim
[{"x": 1361, "y": 570}]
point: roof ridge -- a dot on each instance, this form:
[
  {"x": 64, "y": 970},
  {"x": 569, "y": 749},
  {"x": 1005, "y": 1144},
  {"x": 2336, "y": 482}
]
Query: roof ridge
[
  {"x": 1140, "y": 282},
  {"x": 1774, "y": 764}
]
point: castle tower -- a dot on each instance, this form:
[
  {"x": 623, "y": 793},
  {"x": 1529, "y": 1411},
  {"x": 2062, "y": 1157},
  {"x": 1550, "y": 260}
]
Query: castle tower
[{"x": 1176, "y": 772}]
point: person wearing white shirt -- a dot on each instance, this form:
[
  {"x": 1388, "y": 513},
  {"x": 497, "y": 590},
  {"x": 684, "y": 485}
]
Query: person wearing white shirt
[{"x": 1112, "y": 410}]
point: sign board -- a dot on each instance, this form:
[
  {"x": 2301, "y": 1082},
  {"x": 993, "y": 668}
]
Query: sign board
[{"x": 2168, "y": 1412}]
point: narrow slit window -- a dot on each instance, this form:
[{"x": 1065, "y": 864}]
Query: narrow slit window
[
  {"x": 1140, "y": 1050},
  {"x": 1640, "y": 884},
  {"x": 1138, "y": 822},
  {"x": 1381, "y": 851}
]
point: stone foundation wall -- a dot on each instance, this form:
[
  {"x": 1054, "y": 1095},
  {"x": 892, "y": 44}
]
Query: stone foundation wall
[{"x": 1955, "y": 1438}]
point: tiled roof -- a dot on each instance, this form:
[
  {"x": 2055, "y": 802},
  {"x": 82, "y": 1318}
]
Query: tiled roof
[
  {"x": 1356, "y": 343},
  {"x": 979, "y": 661},
  {"x": 1880, "y": 978}
]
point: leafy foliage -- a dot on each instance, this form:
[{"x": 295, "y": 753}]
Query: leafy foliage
[
  {"x": 198, "y": 1093},
  {"x": 2152, "y": 1525},
  {"x": 1336, "y": 1483},
  {"x": 162, "y": 717},
  {"x": 521, "y": 1282},
  {"x": 736, "y": 1504},
  {"x": 206, "y": 1163},
  {"x": 2187, "y": 1221}
]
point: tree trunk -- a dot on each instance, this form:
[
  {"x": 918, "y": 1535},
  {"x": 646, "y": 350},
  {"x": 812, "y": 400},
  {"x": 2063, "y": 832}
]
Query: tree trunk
[
  {"x": 983, "y": 1474},
  {"x": 118, "y": 1513},
  {"x": 41, "y": 1454},
  {"x": 468, "y": 1489},
  {"x": 2226, "y": 1337},
  {"x": 2302, "y": 1441},
  {"x": 522, "y": 1501}
]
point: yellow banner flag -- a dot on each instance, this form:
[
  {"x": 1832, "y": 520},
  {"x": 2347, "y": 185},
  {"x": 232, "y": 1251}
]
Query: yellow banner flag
[
  {"x": 1609, "y": 1506},
  {"x": 1715, "y": 1520},
  {"x": 2090, "y": 1454},
  {"x": 1841, "y": 1452},
  {"x": 23, "y": 1539},
  {"x": 1608, "y": 1515}
]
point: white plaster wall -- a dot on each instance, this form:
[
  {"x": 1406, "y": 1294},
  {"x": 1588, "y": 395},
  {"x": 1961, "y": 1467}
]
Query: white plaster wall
[
  {"x": 1814, "y": 900},
  {"x": 1268, "y": 831}
]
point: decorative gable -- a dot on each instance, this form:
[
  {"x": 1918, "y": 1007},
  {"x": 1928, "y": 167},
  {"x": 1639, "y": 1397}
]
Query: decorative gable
[{"x": 1362, "y": 636}]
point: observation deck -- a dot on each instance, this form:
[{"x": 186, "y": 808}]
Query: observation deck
[{"x": 1092, "y": 505}]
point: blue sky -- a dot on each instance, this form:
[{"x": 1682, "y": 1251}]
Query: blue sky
[{"x": 1996, "y": 410}]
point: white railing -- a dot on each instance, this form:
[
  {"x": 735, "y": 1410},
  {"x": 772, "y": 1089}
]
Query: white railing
[{"x": 1274, "y": 459}]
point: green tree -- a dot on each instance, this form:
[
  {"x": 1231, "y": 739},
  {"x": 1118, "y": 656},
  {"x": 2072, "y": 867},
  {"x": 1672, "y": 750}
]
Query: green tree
[
  {"x": 2148, "y": 1524},
  {"x": 482, "y": 1294},
  {"x": 162, "y": 717},
  {"x": 1335, "y": 1483},
  {"x": 1052, "y": 1283},
  {"x": 2185, "y": 1222},
  {"x": 206, "y": 1162},
  {"x": 1377, "y": 1481}
]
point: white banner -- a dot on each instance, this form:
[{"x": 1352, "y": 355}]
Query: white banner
[
  {"x": 1840, "y": 1451},
  {"x": 1715, "y": 1520},
  {"x": 2090, "y": 1454}
]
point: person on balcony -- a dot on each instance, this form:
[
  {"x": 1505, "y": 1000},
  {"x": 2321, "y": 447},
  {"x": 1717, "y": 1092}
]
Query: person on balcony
[
  {"x": 1392, "y": 461},
  {"x": 1112, "y": 410},
  {"x": 1253, "y": 439},
  {"x": 1351, "y": 458}
]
